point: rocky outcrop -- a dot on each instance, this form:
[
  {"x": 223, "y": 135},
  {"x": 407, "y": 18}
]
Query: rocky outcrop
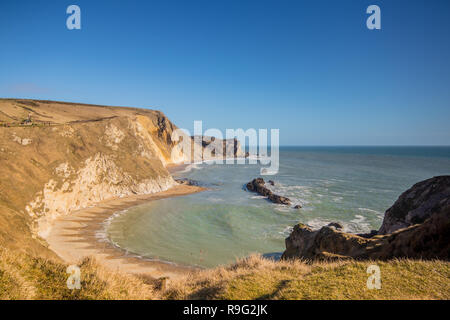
[
  {"x": 279, "y": 199},
  {"x": 429, "y": 240},
  {"x": 214, "y": 148},
  {"x": 417, "y": 204},
  {"x": 423, "y": 210},
  {"x": 327, "y": 242},
  {"x": 258, "y": 185}
]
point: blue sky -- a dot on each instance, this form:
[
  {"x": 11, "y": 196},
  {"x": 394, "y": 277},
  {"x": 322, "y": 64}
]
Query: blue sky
[{"x": 310, "y": 68}]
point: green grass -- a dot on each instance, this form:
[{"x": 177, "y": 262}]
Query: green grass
[
  {"x": 402, "y": 279},
  {"x": 256, "y": 278}
]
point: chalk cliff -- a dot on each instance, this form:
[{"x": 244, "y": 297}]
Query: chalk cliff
[{"x": 58, "y": 157}]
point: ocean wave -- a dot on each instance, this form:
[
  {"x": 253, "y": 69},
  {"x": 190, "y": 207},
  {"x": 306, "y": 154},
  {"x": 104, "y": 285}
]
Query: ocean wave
[
  {"x": 317, "y": 223},
  {"x": 258, "y": 197},
  {"x": 282, "y": 208},
  {"x": 286, "y": 231},
  {"x": 357, "y": 225},
  {"x": 214, "y": 199},
  {"x": 102, "y": 234},
  {"x": 378, "y": 213},
  {"x": 360, "y": 224}
]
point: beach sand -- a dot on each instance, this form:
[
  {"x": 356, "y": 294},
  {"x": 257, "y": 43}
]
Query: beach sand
[{"x": 73, "y": 237}]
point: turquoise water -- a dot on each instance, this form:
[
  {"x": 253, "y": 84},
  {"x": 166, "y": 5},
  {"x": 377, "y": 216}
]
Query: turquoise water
[{"x": 351, "y": 185}]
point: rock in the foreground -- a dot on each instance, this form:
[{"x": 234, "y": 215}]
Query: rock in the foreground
[
  {"x": 258, "y": 185},
  {"x": 417, "y": 204},
  {"x": 429, "y": 239}
]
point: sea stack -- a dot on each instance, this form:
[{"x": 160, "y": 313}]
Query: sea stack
[{"x": 258, "y": 185}]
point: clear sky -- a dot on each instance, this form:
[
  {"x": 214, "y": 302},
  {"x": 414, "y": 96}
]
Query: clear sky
[{"x": 309, "y": 68}]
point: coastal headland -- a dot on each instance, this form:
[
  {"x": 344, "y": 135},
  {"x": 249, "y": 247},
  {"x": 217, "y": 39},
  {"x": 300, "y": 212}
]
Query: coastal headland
[{"x": 68, "y": 167}]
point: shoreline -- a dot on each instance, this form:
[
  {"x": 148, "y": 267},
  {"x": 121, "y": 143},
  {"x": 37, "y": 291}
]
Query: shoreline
[
  {"x": 74, "y": 237},
  {"x": 176, "y": 167}
]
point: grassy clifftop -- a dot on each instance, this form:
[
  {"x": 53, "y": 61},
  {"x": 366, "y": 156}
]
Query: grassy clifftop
[{"x": 26, "y": 277}]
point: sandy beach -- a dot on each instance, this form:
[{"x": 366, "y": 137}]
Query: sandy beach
[{"x": 73, "y": 237}]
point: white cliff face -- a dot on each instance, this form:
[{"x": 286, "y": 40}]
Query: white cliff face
[
  {"x": 113, "y": 136},
  {"x": 103, "y": 175},
  {"x": 22, "y": 141},
  {"x": 99, "y": 179}
]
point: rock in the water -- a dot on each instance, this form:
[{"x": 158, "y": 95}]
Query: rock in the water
[
  {"x": 252, "y": 185},
  {"x": 271, "y": 182},
  {"x": 419, "y": 219},
  {"x": 219, "y": 148},
  {"x": 417, "y": 204},
  {"x": 258, "y": 185},
  {"x": 279, "y": 199},
  {"x": 298, "y": 207}
]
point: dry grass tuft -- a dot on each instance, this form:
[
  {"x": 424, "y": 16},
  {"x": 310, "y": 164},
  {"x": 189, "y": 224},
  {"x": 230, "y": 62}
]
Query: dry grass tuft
[
  {"x": 25, "y": 277},
  {"x": 219, "y": 283},
  {"x": 257, "y": 278}
]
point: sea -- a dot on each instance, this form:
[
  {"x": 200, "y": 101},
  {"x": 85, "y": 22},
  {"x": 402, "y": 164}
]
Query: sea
[{"x": 350, "y": 185}]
